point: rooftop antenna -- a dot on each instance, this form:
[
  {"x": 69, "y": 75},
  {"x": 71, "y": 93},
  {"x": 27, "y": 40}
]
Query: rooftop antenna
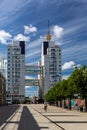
[{"x": 48, "y": 36}]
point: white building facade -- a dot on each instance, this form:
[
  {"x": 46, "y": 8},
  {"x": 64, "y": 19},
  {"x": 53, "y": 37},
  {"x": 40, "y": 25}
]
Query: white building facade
[
  {"x": 51, "y": 62},
  {"x": 1, "y": 64},
  {"x": 16, "y": 70}
]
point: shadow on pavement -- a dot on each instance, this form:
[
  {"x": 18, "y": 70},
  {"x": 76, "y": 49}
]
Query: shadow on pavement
[
  {"x": 6, "y": 112},
  {"x": 70, "y": 122},
  {"x": 27, "y": 122},
  {"x": 64, "y": 115}
]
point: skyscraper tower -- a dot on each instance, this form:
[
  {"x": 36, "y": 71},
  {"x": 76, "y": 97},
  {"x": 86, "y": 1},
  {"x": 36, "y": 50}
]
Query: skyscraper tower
[
  {"x": 51, "y": 62},
  {"x": 16, "y": 70}
]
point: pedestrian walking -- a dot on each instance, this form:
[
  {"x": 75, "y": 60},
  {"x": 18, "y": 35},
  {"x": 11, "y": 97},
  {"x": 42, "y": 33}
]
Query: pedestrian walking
[{"x": 45, "y": 106}]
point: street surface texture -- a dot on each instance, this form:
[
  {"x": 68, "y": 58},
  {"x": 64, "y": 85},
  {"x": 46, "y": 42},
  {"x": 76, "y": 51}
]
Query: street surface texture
[{"x": 33, "y": 117}]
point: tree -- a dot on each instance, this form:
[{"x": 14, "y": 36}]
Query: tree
[{"x": 76, "y": 84}]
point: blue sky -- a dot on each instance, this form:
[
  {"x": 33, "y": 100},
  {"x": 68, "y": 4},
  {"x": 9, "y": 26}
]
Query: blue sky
[{"x": 27, "y": 20}]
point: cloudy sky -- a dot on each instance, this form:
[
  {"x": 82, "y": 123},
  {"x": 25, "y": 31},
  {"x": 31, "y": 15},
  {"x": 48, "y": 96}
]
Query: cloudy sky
[{"x": 27, "y": 20}]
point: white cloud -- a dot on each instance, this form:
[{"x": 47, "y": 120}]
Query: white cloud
[
  {"x": 68, "y": 65},
  {"x": 65, "y": 77},
  {"x": 34, "y": 62},
  {"x": 29, "y": 77},
  {"x": 30, "y": 29},
  {"x": 33, "y": 53},
  {"x": 4, "y": 36},
  {"x": 10, "y": 10},
  {"x": 58, "y": 31},
  {"x": 27, "y": 87},
  {"x": 79, "y": 65},
  {"x": 77, "y": 24},
  {"x": 5, "y": 60},
  {"x": 21, "y": 37},
  {"x": 36, "y": 43}
]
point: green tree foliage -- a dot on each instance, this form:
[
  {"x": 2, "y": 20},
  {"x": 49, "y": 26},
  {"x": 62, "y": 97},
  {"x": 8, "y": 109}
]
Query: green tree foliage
[
  {"x": 75, "y": 84},
  {"x": 51, "y": 96},
  {"x": 83, "y": 82},
  {"x": 64, "y": 88},
  {"x": 58, "y": 92}
]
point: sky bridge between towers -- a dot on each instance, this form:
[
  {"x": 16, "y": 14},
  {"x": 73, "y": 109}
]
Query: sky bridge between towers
[
  {"x": 35, "y": 70},
  {"x": 31, "y": 82}
]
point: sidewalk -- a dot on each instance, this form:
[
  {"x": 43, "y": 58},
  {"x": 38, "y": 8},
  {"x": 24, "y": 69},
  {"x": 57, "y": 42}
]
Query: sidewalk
[{"x": 57, "y": 118}]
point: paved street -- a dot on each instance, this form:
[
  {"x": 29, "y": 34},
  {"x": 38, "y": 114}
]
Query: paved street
[{"x": 33, "y": 117}]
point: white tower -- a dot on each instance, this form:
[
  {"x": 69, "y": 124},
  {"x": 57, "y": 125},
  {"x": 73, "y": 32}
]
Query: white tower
[
  {"x": 51, "y": 62},
  {"x": 16, "y": 70}
]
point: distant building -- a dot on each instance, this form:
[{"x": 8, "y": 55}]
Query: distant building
[
  {"x": 40, "y": 81},
  {"x": 51, "y": 62},
  {"x": 1, "y": 64},
  {"x": 16, "y": 70},
  {"x": 2, "y": 89}
]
